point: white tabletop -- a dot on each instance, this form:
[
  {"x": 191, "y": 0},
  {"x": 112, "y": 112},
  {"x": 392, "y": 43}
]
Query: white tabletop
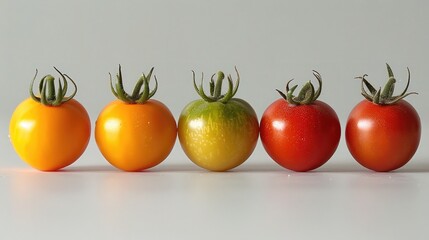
[{"x": 182, "y": 201}]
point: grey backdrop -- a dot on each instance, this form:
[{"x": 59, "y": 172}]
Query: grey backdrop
[{"x": 270, "y": 42}]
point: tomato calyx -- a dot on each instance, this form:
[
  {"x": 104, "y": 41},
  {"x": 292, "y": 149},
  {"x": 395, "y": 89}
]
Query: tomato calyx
[
  {"x": 47, "y": 94},
  {"x": 216, "y": 87},
  {"x": 139, "y": 95},
  {"x": 307, "y": 95},
  {"x": 385, "y": 96}
]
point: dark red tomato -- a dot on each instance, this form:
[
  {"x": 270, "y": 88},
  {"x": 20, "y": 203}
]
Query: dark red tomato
[
  {"x": 383, "y": 131},
  {"x": 383, "y": 137},
  {"x": 300, "y": 137}
]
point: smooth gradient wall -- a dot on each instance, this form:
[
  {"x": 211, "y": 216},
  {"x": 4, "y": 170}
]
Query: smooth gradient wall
[{"x": 270, "y": 42}]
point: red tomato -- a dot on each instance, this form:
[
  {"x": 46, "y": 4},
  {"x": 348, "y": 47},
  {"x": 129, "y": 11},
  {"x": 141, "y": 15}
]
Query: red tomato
[
  {"x": 383, "y": 137},
  {"x": 300, "y": 137},
  {"x": 383, "y": 132}
]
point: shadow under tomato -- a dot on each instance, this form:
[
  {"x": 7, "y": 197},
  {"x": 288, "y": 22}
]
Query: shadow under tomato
[
  {"x": 343, "y": 166},
  {"x": 89, "y": 168},
  {"x": 346, "y": 166},
  {"x": 190, "y": 167},
  {"x": 349, "y": 165},
  {"x": 109, "y": 168},
  {"x": 271, "y": 166},
  {"x": 177, "y": 167}
]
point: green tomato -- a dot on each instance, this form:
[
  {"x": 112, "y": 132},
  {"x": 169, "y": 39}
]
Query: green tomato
[{"x": 218, "y": 136}]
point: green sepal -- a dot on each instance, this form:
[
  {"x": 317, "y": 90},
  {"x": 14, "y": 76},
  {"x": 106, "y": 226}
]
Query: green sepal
[
  {"x": 216, "y": 87},
  {"x": 138, "y": 95},
  {"x": 385, "y": 96},
  {"x": 50, "y": 96},
  {"x": 307, "y": 94}
]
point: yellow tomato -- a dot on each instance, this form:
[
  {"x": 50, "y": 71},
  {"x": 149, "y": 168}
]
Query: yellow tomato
[
  {"x": 49, "y": 138},
  {"x": 218, "y": 132},
  {"x": 218, "y": 136}
]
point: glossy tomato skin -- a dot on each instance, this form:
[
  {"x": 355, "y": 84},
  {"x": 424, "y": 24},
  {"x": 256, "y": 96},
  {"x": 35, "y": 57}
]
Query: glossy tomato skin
[
  {"x": 383, "y": 137},
  {"x": 135, "y": 137},
  {"x": 49, "y": 138},
  {"x": 300, "y": 137},
  {"x": 218, "y": 136}
]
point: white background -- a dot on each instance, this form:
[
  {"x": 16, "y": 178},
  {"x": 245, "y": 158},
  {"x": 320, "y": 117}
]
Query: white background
[{"x": 270, "y": 42}]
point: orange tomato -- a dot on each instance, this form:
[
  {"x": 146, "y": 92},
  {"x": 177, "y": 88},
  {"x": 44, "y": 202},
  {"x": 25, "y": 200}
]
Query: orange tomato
[
  {"x": 49, "y": 138},
  {"x": 135, "y": 132},
  {"x": 134, "y": 137}
]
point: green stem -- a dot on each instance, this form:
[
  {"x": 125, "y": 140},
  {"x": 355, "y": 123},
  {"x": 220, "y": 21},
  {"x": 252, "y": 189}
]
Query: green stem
[
  {"x": 218, "y": 84},
  {"x": 51, "y": 88}
]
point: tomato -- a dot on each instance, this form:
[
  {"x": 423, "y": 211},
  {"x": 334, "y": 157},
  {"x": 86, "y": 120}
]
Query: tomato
[
  {"x": 300, "y": 133},
  {"x": 50, "y": 132},
  {"x": 218, "y": 132},
  {"x": 135, "y": 132},
  {"x": 383, "y": 133},
  {"x": 134, "y": 137}
]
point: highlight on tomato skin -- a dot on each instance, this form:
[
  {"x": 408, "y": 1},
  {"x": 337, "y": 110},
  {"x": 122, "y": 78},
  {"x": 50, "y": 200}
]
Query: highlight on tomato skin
[
  {"x": 135, "y": 132},
  {"x": 383, "y": 131},
  {"x": 218, "y": 132},
  {"x": 50, "y": 131},
  {"x": 300, "y": 133}
]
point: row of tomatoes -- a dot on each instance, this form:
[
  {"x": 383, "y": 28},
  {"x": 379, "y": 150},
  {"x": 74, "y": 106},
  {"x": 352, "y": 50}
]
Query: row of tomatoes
[{"x": 218, "y": 132}]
